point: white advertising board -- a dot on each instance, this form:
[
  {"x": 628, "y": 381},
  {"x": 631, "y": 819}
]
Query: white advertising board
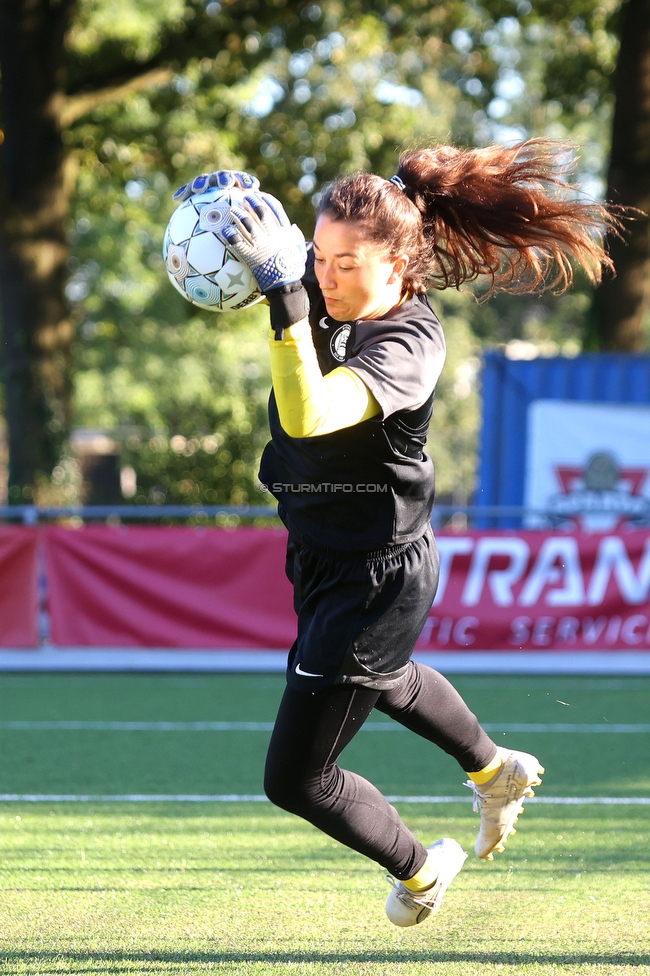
[{"x": 588, "y": 463}]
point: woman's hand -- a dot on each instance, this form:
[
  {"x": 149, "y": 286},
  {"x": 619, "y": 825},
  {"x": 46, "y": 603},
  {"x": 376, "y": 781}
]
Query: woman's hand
[
  {"x": 263, "y": 237},
  {"x": 223, "y": 178}
]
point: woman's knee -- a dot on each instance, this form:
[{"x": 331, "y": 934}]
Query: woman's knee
[
  {"x": 286, "y": 789},
  {"x": 275, "y": 787}
]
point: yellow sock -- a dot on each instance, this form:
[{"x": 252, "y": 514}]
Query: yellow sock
[
  {"x": 425, "y": 878},
  {"x": 483, "y": 775}
]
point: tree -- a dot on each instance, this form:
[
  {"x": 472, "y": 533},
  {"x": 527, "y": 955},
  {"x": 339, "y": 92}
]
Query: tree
[
  {"x": 59, "y": 61},
  {"x": 585, "y": 65},
  {"x": 621, "y": 303},
  {"x": 33, "y": 202}
]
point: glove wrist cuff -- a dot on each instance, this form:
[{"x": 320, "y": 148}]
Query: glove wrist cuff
[{"x": 289, "y": 304}]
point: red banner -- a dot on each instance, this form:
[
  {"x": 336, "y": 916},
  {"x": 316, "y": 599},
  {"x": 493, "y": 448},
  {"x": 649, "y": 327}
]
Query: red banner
[
  {"x": 540, "y": 591},
  {"x": 168, "y": 587},
  {"x": 193, "y": 587},
  {"x": 18, "y": 587}
]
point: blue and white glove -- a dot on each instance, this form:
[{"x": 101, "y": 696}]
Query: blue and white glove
[
  {"x": 223, "y": 178},
  {"x": 265, "y": 240}
]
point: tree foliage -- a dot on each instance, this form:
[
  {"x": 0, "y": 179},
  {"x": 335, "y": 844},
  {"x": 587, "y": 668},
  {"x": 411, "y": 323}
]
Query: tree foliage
[
  {"x": 62, "y": 61},
  {"x": 145, "y": 96}
]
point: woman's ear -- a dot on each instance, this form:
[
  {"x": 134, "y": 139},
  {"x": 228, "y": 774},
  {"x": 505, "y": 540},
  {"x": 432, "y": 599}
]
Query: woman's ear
[{"x": 400, "y": 264}]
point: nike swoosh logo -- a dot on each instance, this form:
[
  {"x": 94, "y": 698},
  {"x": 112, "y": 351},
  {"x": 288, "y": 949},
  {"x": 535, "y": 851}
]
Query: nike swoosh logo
[
  {"x": 323, "y": 324},
  {"x": 307, "y": 674}
]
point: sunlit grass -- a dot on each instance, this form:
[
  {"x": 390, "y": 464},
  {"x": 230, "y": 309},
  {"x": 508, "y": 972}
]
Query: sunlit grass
[
  {"x": 245, "y": 889},
  {"x": 171, "y": 888}
]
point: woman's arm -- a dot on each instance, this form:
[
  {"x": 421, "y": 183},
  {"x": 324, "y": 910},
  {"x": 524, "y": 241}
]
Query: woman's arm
[{"x": 308, "y": 402}]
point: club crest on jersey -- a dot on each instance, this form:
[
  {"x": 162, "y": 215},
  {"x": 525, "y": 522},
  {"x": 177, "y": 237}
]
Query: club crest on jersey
[{"x": 339, "y": 342}]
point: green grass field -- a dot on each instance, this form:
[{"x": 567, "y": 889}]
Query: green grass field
[{"x": 239, "y": 887}]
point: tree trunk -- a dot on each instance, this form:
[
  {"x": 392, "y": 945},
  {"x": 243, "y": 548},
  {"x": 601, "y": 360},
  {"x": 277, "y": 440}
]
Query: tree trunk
[
  {"x": 34, "y": 201},
  {"x": 621, "y": 303}
]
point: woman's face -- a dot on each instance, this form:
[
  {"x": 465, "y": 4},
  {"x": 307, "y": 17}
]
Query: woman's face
[{"x": 358, "y": 280}]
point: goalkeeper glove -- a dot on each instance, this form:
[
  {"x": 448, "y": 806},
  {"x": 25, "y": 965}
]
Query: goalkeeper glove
[
  {"x": 222, "y": 178},
  {"x": 264, "y": 239}
]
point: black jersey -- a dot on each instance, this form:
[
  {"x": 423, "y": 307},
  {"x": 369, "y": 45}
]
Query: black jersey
[{"x": 370, "y": 485}]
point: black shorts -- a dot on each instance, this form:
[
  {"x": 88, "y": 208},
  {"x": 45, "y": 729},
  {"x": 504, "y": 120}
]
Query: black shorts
[{"x": 359, "y": 614}]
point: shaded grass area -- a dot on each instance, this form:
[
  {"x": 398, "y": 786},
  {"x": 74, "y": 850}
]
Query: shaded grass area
[
  {"x": 232, "y": 762},
  {"x": 164, "y": 888}
]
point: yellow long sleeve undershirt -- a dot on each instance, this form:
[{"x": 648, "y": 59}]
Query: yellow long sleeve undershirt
[{"x": 308, "y": 402}]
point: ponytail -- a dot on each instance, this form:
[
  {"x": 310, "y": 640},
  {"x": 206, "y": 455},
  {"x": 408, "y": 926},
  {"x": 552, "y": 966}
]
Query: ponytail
[{"x": 505, "y": 213}]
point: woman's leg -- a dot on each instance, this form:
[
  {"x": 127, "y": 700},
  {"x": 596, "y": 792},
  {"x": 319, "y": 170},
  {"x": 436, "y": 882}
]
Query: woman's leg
[
  {"x": 429, "y": 705},
  {"x": 425, "y": 702},
  {"x": 302, "y": 777}
]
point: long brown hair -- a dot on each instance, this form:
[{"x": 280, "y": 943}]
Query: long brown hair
[{"x": 507, "y": 213}]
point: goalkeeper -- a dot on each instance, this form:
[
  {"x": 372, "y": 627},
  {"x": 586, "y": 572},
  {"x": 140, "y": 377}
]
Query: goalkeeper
[{"x": 356, "y": 352}]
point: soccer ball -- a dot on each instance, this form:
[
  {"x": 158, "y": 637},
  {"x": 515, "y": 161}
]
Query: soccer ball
[{"x": 199, "y": 266}]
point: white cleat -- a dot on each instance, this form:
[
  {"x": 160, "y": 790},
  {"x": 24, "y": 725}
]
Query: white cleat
[
  {"x": 501, "y": 800},
  {"x": 405, "y": 907}
]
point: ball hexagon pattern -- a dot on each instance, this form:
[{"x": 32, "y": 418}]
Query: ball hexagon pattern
[{"x": 199, "y": 266}]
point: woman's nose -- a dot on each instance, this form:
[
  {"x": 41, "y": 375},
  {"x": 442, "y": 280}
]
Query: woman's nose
[{"x": 327, "y": 279}]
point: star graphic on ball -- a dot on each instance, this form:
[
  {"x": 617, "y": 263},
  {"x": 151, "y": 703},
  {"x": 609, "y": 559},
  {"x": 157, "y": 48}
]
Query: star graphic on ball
[{"x": 236, "y": 279}]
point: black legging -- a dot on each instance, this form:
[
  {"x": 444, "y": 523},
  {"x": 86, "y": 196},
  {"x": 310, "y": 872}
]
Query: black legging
[{"x": 312, "y": 730}]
